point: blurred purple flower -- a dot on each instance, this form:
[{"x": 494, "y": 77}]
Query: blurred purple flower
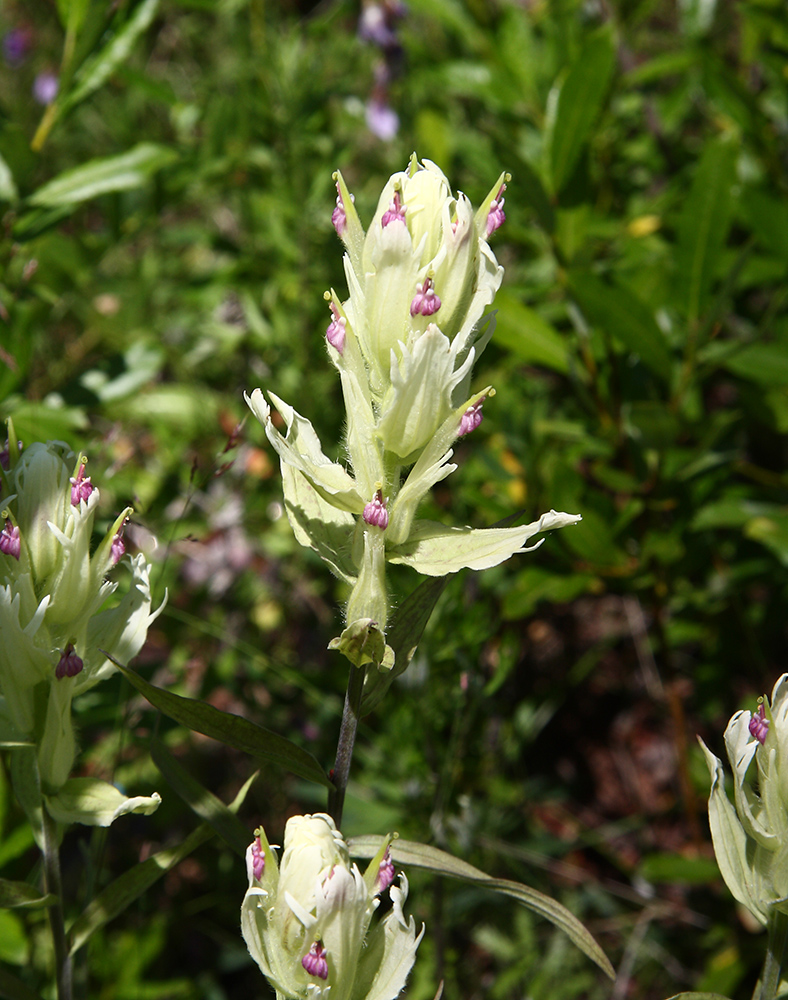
[
  {"x": 16, "y": 45},
  {"x": 45, "y": 87},
  {"x": 382, "y": 120}
]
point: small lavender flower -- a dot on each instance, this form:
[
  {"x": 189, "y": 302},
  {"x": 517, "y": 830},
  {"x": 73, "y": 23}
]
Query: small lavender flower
[
  {"x": 471, "y": 419},
  {"x": 10, "y": 544},
  {"x": 496, "y": 216},
  {"x": 81, "y": 487},
  {"x": 375, "y": 511},
  {"x": 382, "y": 120},
  {"x": 336, "y": 332},
  {"x": 759, "y": 725},
  {"x": 258, "y": 858},
  {"x": 16, "y": 45},
  {"x": 395, "y": 212},
  {"x": 425, "y": 301},
  {"x": 315, "y": 961},
  {"x": 45, "y": 87},
  {"x": 385, "y": 873},
  {"x": 69, "y": 664}
]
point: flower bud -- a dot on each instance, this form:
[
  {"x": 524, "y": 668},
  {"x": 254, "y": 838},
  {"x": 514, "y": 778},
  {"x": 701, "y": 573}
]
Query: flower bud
[{"x": 310, "y": 923}]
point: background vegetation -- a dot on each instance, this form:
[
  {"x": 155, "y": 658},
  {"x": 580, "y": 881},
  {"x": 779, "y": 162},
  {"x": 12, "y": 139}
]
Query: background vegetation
[{"x": 546, "y": 730}]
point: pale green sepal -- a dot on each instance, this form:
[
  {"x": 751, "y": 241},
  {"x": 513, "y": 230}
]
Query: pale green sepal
[
  {"x": 301, "y": 449},
  {"x": 96, "y": 803},
  {"x": 390, "y": 952},
  {"x": 474, "y": 336},
  {"x": 730, "y": 841},
  {"x": 373, "y": 868},
  {"x": 432, "y": 466},
  {"x": 57, "y": 747},
  {"x": 363, "y": 447},
  {"x": 318, "y": 525},
  {"x": 363, "y": 642},
  {"x": 353, "y": 236},
  {"x": 434, "y": 550},
  {"x": 742, "y": 749},
  {"x": 419, "y": 400}
]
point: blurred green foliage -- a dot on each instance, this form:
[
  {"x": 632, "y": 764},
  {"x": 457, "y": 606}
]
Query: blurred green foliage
[{"x": 165, "y": 247}]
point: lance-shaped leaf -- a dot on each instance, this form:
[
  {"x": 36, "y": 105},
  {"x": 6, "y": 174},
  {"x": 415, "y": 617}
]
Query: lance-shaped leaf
[
  {"x": 96, "y": 803},
  {"x": 112, "y": 173},
  {"x": 301, "y": 449},
  {"x": 21, "y": 895},
  {"x": 431, "y": 859},
  {"x": 121, "y": 893},
  {"x": 435, "y": 550},
  {"x": 230, "y": 729},
  {"x": 204, "y": 803}
]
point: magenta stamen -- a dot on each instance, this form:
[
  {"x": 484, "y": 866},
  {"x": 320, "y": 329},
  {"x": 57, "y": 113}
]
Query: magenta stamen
[
  {"x": 425, "y": 301},
  {"x": 337, "y": 330},
  {"x": 759, "y": 725},
  {"x": 69, "y": 664},
  {"x": 375, "y": 511},
  {"x": 496, "y": 216},
  {"x": 258, "y": 859},
  {"x": 385, "y": 874},
  {"x": 315, "y": 961},
  {"x": 339, "y": 216},
  {"x": 117, "y": 549},
  {"x": 395, "y": 212},
  {"x": 10, "y": 543},
  {"x": 471, "y": 419},
  {"x": 81, "y": 487}
]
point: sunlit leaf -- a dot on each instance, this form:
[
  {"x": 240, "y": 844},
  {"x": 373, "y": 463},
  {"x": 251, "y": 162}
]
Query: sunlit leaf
[
  {"x": 113, "y": 173},
  {"x": 431, "y": 859}
]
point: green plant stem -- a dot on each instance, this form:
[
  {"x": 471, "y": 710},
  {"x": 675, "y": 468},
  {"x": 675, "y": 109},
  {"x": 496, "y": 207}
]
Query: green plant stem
[
  {"x": 347, "y": 738},
  {"x": 775, "y": 955},
  {"x": 56, "y": 922}
]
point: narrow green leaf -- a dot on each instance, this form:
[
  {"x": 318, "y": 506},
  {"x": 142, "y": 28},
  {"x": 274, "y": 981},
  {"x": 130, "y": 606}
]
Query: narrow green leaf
[
  {"x": 578, "y": 105},
  {"x": 623, "y": 315},
  {"x": 698, "y": 996},
  {"x": 528, "y": 336},
  {"x": 431, "y": 859},
  {"x": 113, "y": 173},
  {"x": 121, "y": 893},
  {"x": 703, "y": 226},
  {"x": 403, "y": 635},
  {"x": 230, "y": 729},
  {"x": 14, "y": 989},
  {"x": 99, "y": 67},
  {"x": 204, "y": 803},
  {"x": 766, "y": 364},
  {"x": 14, "y": 895},
  {"x": 527, "y": 181}
]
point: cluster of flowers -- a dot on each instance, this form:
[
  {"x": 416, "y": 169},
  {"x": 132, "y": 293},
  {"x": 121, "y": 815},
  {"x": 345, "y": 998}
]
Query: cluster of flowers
[
  {"x": 404, "y": 343},
  {"x": 750, "y": 835},
  {"x": 54, "y": 593},
  {"x": 310, "y": 920}
]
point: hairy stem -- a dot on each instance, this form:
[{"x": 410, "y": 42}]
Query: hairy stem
[
  {"x": 347, "y": 737},
  {"x": 775, "y": 955},
  {"x": 56, "y": 922}
]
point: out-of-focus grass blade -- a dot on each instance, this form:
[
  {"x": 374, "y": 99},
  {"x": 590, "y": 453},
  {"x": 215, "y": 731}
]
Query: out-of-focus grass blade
[
  {"x": 431, "y": 859},
  {"x": 529, "y": 337},
  {"x": 230, "y": 729},
  {"x": 703, "y": 226},
  {"x": 579, "y": 102},
  {"x": 15, "y": 895},
  {"x": 121, "y": 893},
  {"x": 112, "y": 173},
  {"x": 98, "y": 67},
  {"x": 204, "y": 803}
]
